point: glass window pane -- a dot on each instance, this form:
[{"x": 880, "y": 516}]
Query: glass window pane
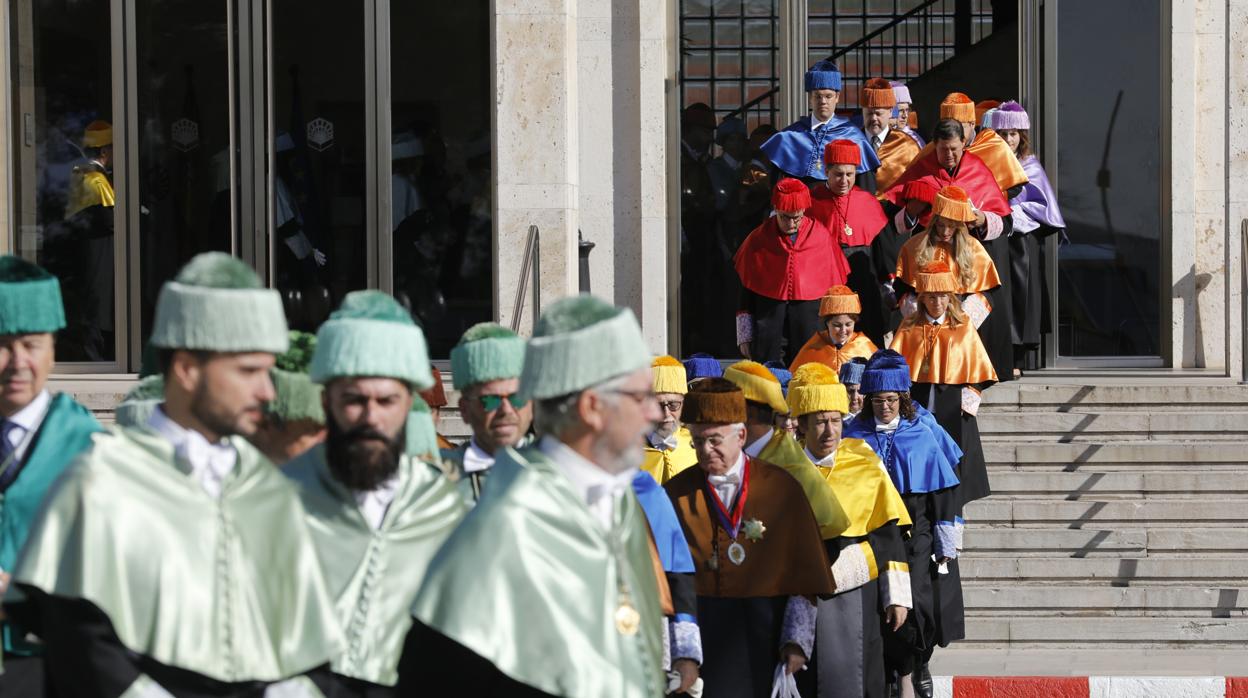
[
  {"x": 64, "y": 194},
  {"x": 319, "y": 246},
  {"x": 184, "y": 138},
  {"x": 1109, "y": 143},
  {"x": 697, "y": 64},
  {"x": 442, "y": 180},
  {"x": 728, "y": 64}
]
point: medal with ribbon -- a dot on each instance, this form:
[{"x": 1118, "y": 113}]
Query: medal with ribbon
[{"x": 731, "y": 521}]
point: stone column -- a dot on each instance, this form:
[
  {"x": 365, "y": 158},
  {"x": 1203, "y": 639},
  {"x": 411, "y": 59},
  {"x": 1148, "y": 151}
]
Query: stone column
[
  {"x": 1236, "y": 179},
  {"x": 536, "y": 147},
  {"x": 625, "y": 158}
]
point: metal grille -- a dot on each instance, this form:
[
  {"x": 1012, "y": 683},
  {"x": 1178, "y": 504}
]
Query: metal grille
[
  {"x": 729, "y": 53},
  {"x": 729, "y": 56},
  {"x": 901, "y": 52}
]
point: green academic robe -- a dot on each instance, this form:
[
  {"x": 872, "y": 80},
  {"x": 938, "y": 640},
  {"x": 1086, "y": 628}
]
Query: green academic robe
[
  {"x": 65, "y": 432},
  {"x": 228, "y": 588},
  {"x": 374, "y": 575},
  {"x": 532, "y": 584}
]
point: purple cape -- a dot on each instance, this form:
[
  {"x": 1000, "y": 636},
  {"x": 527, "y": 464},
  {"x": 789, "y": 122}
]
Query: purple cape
[{"x": 1036, "y": 205}]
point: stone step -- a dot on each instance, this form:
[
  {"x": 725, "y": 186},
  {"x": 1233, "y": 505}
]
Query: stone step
[
  {"x": 1012, "y": 599},
  {"x": 1128, "y": 632},
  {"x": 1082, "y": 484},
  {"x": 1148, "y": 513},
  {"x": 1066, "y": 427},
  {"x": 991, "y": 541},
  {"x": 1028, "y": 396},
  {"x": 1141, "y": 455},
  {"x": 1133, "y": 571},
  {"x": 1078, "y": 658}
]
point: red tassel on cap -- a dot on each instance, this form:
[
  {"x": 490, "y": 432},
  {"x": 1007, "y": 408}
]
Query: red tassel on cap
[
  {"x": 842, "y": 152},
  {"x": 790, "y": 195}
]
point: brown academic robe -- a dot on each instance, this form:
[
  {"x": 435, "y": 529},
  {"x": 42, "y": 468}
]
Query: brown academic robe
[{"x": 741, "y": 607}]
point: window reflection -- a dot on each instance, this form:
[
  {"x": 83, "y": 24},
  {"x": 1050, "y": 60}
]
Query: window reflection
[
  {"x": 64, "y": 196},
  {"x": 441, "y": 159},
  {"x": 319, "y": 246},
  {"x": 184, "y": 139}
]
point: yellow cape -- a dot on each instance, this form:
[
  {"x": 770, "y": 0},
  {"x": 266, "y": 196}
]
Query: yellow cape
[
  {"x": 896, "y": 153},
  {"x": 863, "y": 489},
  {"x": 784, "y": 451},
  {"x": 88, "y": 188},
  {"x": 664, "y": 465}
]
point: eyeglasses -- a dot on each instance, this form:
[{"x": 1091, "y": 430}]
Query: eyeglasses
[
  {"x": 672, "y": 406},
  {"x": 489, "y": 403},
  {"x": 713, "y": 441},
  {"x": 881, "y": 401}
]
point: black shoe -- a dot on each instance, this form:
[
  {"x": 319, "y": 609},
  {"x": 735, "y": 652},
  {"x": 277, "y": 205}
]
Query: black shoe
[{"x": 923, "y": 682}]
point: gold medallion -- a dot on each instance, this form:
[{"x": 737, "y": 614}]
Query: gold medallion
[
  {"x": 627, "y": 619},
  {"x": 736, "y": 553},
  {"x": 849, "y": 232}
]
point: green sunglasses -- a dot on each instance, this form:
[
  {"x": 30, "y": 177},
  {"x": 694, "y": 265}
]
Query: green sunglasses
[{"x": 489, "y": 403}]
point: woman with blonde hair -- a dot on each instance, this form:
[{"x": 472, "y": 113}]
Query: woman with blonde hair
[{"x": 948, "y": 240}]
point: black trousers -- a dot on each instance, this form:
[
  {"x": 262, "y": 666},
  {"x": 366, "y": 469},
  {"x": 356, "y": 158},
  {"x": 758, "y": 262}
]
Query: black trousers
[{"x": 781, "y": 327}]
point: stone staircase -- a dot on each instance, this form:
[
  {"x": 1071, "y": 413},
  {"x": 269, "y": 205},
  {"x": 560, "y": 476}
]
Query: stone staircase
[{"x": 1119, "y": 519}]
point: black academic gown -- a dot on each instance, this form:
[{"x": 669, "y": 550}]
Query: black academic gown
[
  {"x": 972, "y": 470},
  {"x": 997, "y": 331},
  {"x": 435, "y": 665},
  {"x": 849, "y": 632},
  {"x": 885, "y": 249},
  {"x": 85, "y": 659}
]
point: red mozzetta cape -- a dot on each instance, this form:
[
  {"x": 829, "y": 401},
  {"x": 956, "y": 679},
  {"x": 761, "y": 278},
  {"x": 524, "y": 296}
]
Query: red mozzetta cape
[
  {"x": 972, "y": 175},
  {"x": 775, "y": 268},
  {"x": 854, "y": 219}
]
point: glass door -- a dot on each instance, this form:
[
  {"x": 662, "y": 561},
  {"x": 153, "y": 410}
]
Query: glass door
[
  {"x": 66, "y": 158},
  {"x": 1105, "y": 116}
]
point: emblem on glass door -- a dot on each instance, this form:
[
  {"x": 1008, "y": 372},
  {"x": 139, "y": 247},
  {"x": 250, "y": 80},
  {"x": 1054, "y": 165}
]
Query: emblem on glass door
[
  {"x": 185, "y": 134},
  {"x": 320, "y": 134}
]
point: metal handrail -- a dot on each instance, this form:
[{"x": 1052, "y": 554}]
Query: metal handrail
[
  {"x": 530, "y": 272},
  {"x": 897, "y": 20},
  {"x": 1243, "y": 299}
]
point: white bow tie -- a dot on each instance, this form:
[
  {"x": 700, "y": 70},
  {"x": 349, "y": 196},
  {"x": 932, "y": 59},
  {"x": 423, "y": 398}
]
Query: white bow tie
[
  {"x": 210, "y": 463},
  {"x": 729, "y": 479}
]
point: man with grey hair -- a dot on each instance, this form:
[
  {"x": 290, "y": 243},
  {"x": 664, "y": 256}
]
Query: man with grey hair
[
  {"x": 548, "y": 587},
  {"x": 756, "y": 546}
]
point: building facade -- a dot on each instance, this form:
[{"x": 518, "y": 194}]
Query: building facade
[{"x": 483, "y": 158}]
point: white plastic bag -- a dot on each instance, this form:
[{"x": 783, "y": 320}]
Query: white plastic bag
[{"x": 783, "y": 684}]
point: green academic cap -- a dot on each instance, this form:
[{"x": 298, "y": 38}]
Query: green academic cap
[
  {"x": 487, "y": 352},
  {"x": 581, "y": 341},
  {"x": 142, "y": 400},
  {"x": 30, "y": 298},
  {"x": 370, "y": 334},
  {"x": 298, "y": 398},
  {"x": 422, "y": 436},
  {"x": 217, "y": 303}
]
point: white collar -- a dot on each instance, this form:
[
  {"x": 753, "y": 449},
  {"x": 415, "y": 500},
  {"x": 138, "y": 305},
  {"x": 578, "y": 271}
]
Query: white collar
[
  {"x": 28, "y": 420},
  {"x": 667, "y": 444},
  {"x": 31, "y": 416},
  {"x": 210, "y": 463},
  {"x": 374, "y": 503},
  {"x": 476, "y": 459},
  {"x": 596, "y": 486},
  {"x": 814, "y": 125},
  {"x": 826, "y": 461},
  {"x": 757, "y": 446},
  {"x": 935, "y": 320},
  {"x": 890, "y": 426},
  {"x": 883, "y": 135}
]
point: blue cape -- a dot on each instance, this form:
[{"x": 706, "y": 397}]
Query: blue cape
[
  {"x": 669, "y": 538},
  {"x": 953, "y": 452},
  {"x": 798, "y": 151},
  {"x": 917, "y": 463}
]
